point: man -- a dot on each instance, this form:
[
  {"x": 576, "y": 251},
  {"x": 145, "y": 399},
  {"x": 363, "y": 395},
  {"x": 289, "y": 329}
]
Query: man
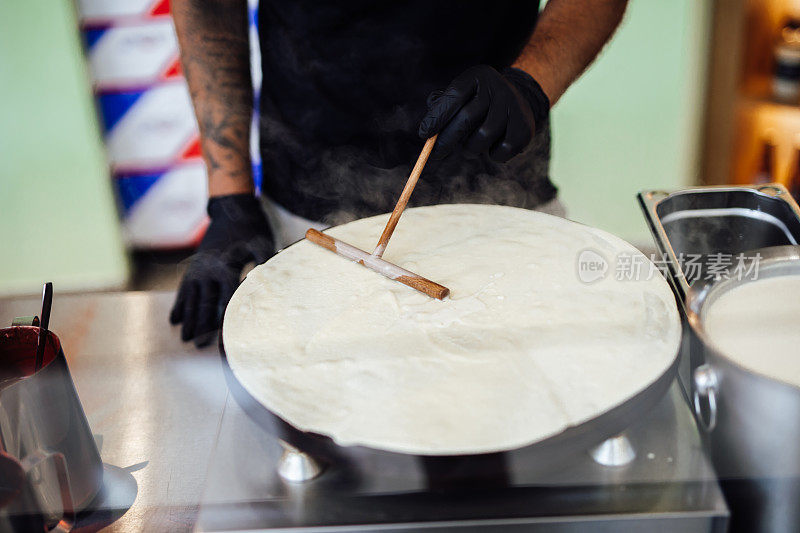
[{"x": 343, "y": 115}]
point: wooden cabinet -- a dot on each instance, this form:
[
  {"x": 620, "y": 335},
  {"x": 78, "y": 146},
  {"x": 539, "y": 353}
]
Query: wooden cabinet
[{"x": 741, "y": 111}]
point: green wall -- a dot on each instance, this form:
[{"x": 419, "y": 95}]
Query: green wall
[
  {"x": 57, "y": 216},
  {"x": 633, "y": 120}
]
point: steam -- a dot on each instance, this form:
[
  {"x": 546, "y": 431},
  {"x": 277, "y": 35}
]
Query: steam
[
  {"x": 339, "y": 183},
  {"x": 339, "y": 120}
]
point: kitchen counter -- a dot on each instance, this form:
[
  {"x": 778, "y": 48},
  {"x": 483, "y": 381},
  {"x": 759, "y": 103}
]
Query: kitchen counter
[
  {"x": 154, "y": 403},
  {"x": 155, "y": 406}
]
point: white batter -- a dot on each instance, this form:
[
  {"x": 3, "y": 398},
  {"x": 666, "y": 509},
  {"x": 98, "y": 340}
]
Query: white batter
[
  {"x": 520, "y": 351},
  {"x": 757, "y": 325}
]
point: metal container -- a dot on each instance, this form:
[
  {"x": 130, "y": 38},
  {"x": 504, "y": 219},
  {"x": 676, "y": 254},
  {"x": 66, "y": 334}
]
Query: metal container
[
  {"x": 699, "y": 222},
  {"x": 40, "y": 413},
  {"x": 753, "y": 422},
  {"x": 703, "y": 221}
]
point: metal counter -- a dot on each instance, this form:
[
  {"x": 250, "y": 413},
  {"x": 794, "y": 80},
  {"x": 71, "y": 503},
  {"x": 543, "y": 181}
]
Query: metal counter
[
  {"x": 156, "y": 408},
  {"x": 669, "y": 486},
  {"x": 154, "y": 403}
]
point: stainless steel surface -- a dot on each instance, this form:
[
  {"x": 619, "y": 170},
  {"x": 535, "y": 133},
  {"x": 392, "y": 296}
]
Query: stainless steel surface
[
  {"x": 750, "y": 416},
  {"x": 616, "y": 451},
  {"x": 297, "y": 467},
  {"x": 754, "y": 440},
  {"x": 155, "y": 406},
  {"x": 153, "y": 403},
  {"x": 757, "y": 416},
  {"x": 725, "y": 219},
  {"x": 40, "y": 413},
  {"x": 701, "y": 221},
  {"x": 668, "y": 487},
  {"x": 706, "y": 388}
]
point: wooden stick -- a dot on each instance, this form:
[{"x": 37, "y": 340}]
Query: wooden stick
[
  {"x": 404, "y": 197},
  {"x": 381, "y": 266},
  {"x": 374, "y": 260}
]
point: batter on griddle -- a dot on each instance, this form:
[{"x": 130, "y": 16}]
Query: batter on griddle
[{"x": 521, "y": 349}]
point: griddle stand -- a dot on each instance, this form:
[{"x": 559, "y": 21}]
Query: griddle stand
[
  {"x": 294, "y": 466},
  {"x": 667, "y": 483}
]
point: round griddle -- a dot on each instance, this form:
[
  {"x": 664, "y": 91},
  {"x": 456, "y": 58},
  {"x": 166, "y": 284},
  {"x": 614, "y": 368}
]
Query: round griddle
[{"x": 549, "y": 451}]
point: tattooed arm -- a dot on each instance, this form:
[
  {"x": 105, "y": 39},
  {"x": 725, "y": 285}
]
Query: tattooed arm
[
  {"x": 215, "y": 54},
  {"x": 216, "y": 59}
]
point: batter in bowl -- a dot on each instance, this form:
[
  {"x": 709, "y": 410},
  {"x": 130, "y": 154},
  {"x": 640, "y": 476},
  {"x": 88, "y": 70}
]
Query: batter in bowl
[{"x": 756, "y": 326}]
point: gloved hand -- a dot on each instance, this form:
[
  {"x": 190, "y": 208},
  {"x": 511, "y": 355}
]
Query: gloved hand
[
  {"x": 238, "y": 234},
  {"x": 485, "y": 112}
]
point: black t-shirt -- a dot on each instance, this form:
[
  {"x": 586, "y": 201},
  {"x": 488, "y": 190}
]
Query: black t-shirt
[{"x": 344, "y": 87}]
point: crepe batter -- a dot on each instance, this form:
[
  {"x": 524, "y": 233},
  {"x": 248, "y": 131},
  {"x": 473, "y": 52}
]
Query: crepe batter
[
  {"x": 757, "y": 325},
  {"x": 521, "y": 350}
]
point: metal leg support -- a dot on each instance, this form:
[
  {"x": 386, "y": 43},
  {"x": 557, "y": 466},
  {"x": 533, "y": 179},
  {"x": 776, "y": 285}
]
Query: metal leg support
[
  {"x": 297, "y": 467},
  {"x": 616, "y": 451}
]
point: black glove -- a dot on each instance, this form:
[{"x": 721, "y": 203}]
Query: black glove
[
  {"x": 485, "y": 112},
  {"x": 238, "y": 234}
]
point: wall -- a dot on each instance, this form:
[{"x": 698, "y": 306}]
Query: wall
[
  {"x": 57, "y": 216},
  {"x": 630, "y": 123},
  {"x": 633, "y": 120}
]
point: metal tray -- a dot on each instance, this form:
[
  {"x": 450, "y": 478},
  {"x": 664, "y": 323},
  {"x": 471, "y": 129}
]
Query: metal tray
[{"x": 703, "y": 221}]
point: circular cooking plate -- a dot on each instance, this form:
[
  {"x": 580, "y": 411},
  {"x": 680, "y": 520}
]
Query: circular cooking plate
[{"x": 575, "y": 439}]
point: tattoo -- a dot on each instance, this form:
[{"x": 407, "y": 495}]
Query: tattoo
[{"x": 215, "y": 53}]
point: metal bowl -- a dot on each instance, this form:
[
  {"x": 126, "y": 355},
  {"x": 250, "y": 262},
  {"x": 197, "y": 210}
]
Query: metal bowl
[{"x": 752, "y": 420}]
